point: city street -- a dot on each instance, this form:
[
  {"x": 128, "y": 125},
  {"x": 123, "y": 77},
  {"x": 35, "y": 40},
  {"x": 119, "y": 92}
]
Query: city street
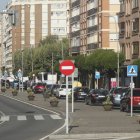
[
  {"x": 89, "y": 120},
  {"x": 25, "y": 122}
]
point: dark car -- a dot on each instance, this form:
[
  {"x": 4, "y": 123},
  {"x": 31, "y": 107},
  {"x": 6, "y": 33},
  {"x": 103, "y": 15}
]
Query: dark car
[
  {"x": 54, "y": 89},
  {"x": 39, "y": 88},
  {"x": 96, "y": 96},
  {"x": 116, "y": 94},
  {"x": 80, "y": 93},
  {"x": 125, "y": 103}
]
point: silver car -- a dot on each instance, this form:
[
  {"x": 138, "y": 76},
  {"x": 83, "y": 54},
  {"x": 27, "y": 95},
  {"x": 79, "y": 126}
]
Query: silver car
[{"x": 116, "y": 94}]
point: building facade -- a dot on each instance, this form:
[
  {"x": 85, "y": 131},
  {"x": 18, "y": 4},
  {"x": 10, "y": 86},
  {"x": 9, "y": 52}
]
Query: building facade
[
  {"x": 93, "y": 25},
  {"x": 35, "y": 19},
  {"x": 129, "y": 29}
]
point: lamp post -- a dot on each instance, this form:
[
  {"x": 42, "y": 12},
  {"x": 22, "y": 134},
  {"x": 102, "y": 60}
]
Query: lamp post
[
  {"x": 118, "y": 67},
  {"x": 32, "y": 58},
  {"x": 22, "y": 67}
]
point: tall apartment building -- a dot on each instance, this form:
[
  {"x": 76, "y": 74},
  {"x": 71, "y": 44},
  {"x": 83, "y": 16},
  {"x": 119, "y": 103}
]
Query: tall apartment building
[
  {"x": 129, "y": 25},
  {"x": 93, "y": 25},
  {"x": 35, "y": 19}
]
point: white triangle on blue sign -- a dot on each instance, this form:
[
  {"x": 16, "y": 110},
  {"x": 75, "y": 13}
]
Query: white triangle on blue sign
[{"x": 132, "y": 70}]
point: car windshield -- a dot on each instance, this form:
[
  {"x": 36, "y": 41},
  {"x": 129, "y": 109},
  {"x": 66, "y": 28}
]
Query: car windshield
[
  {"x": 120, "y": 90},
  {"x": 101, "y": 91}
]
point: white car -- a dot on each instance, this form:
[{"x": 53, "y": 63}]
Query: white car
[{"x": 62, "y": 90}]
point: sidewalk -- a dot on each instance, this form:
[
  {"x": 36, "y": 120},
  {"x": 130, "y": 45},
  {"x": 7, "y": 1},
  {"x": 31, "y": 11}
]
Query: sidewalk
[{"x": 87, "y": 119}]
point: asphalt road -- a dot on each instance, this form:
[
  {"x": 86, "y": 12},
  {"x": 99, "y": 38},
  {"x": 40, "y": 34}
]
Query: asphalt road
[
  {"x": 25, "y": 122},
  {"x": 89, "y": 122}
]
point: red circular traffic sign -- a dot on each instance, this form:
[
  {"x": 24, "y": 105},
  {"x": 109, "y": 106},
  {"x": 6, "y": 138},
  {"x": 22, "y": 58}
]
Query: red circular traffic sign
[{"x": 66, "y": 67}]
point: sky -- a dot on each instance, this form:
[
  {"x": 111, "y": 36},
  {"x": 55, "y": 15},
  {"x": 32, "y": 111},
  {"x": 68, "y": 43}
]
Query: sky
[{"x": 3, "y": 4}]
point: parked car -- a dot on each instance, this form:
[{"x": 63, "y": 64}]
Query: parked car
[
  {"x": 116, "y": 94},
  {"x": 80, "y": 93},
  {"x": 62, "y": 90},
  {"x": 39, "y": 88},
  {"x": 96, "y": 96},
  {"x": 125, "y": 103},
  {"x": 54, "y": 88}
]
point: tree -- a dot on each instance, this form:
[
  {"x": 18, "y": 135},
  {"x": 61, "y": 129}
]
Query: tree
[
  {"x": 41, "y": 56},
  {"x": 104, "y": 61}
]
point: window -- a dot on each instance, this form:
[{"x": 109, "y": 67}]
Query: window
[
  {"x": 134, "y": 3},
  {"x": 114, "y": 2},
  {"x": 122, "y": 6},
  {"x": 135, "y": 25},
  {"x": 113, "y": 36},
  {"x": 122, "y": 27},
  {"x": 135, "y": 48}
]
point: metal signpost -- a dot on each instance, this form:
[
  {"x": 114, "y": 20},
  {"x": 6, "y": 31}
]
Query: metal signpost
[
  {"x": 67, "y": 67},
  {"x": 132, "y": 71},
  {"x": 97, "y": 76},
  {"x": 19, "y": 76}
]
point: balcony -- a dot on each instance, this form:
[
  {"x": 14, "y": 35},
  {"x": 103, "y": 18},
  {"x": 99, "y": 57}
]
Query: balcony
[
  {"x": 91, "y": 11},
  {"x": 75, "y": 19},
  {"x": 75, "y": 49},
  {"x": 121, "y": 13},
  {"x": 75, "y": 3},
  {"x": 135, "y": 9},
  {"x": 92, "y": 29},
  {"x": 92, "y": 46},
  {"x": 135, "y": 32},
  {"x": 74, "y": 34}
]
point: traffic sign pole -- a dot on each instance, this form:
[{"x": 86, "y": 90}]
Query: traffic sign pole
[
  {"x": 132, "y": 70},
  {"x": 67, "y": 67},
  {"x": 67, "y": 107},
  {"x": 72, "y": 94},
  {"x": 131, "y": 96},
  {"x": 97, "y": 83}
]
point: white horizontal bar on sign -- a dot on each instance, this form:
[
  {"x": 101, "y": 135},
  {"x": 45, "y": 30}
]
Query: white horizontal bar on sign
[
  {"x": 67, "y": 67},
  {"x": 4, "y": 118}
]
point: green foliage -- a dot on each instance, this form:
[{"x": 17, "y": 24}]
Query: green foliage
[
  {"x": 41, "y": 57},
  {"x": 108, "y": 101}
]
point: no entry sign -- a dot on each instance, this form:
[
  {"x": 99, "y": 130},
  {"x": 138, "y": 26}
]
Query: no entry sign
[{"x": 66, "y": 67}]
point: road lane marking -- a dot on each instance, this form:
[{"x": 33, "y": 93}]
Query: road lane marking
[
  {"x": 38, "y": 117},
  {"x": 55, "y": 117},
  {"x": 21, "y": 118},
  {"x": 4, "y": 118}
]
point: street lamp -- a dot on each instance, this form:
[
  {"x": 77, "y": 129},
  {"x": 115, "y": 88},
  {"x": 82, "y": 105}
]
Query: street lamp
[
  {"x": 22, "y": 67},
  {"x": 32, "y": 58},
  {"x": 118, "y": 67}
]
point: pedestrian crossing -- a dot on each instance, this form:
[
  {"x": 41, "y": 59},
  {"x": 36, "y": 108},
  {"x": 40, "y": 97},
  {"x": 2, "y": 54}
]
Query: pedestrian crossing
[{"x": 36, "y": 117}]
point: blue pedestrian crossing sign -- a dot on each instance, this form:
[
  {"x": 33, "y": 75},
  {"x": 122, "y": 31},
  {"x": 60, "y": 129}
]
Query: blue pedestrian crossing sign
[{"x": 132, "y": 70}]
